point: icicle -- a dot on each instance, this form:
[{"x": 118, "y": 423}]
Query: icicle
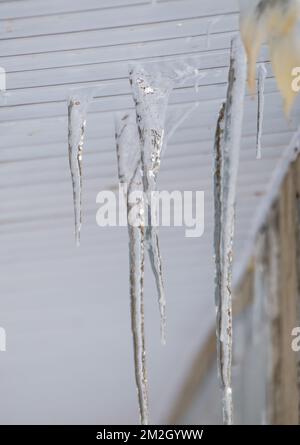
[
  {"x": 227, "y": 148},
  {"x": 275, "y": 22},
  {"x": 198, "y": 76},
  {"x": 137, "y": 258},
  {"x": 151, "y": 90},
  {"x": 151, "y": 106},
  {"x": 77, "y": 110},
  {"x": 129, "y": 171},
  {"x": 130, "y": 175},
  {"x": 3, "y": 93},
  {"x": 262, "y": 74}
]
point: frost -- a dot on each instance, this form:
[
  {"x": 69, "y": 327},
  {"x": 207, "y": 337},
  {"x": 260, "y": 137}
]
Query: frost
[
  {"x": 226, "y": 152},
  {"x": 262, "y": 74},
  {"x": 128, "y": 155},
  {"x": 77, "y": 110}
]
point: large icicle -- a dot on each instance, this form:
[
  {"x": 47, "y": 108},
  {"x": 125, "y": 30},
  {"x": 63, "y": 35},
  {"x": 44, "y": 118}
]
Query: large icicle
[
  {"x": 151, "y": 88},
  {"x": 262, "y": 74},
  {"x": 227, "y": 149},
  {"x": 77, "y": 109},
  {"x": 129, "y": 171},
  {"x": 259, "y": 286},
  {"x": 151, "y": 99},
  {"x": 218, "y": 219}
]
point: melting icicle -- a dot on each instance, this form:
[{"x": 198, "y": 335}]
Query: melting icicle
[
  {"x": 275, "y": 22},
  {"x": 130, "y": 175},
  {"x": 151, "y": 90},
  {"x": 218, "y": 218},
  {"x": 176, "y": 118},
  {"x": 262, "y": 74},
  {"x": 227, "y": 149},
  {"x": 198, "y": 76},
  {"x": 151, "y": 106},
  {"x": 129, "y": 171},
  {"x": 77, "y": 110}
]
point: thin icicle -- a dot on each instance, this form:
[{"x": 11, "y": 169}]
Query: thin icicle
[
  {"x": 227, "y": 149},
  {"x": 262, "y": 74},
  {"x": 129, "y": 171},
  {"x": 77, "y": 111}
]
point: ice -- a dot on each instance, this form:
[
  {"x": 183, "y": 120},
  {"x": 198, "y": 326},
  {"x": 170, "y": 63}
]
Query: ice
[
  {"x": 130, "y": 176},
  {"x": 151, "y": 107},
  {"x": 227, "y": 149},
  {"x": 262, "y": 74},
  {"x": 260, "y": 295},
  {"x": 77, "y": 110}
]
